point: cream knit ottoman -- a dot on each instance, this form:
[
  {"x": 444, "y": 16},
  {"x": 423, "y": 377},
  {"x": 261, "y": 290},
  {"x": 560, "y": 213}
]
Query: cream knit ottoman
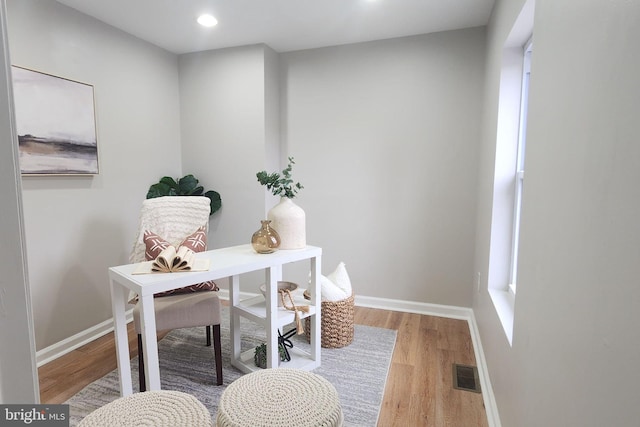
[
  {"x": 151, "y": 408},
  {"x": 279, "y": 397}
]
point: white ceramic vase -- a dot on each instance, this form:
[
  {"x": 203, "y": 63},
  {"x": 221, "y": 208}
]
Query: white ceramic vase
[{"x": 288, "y": 219}]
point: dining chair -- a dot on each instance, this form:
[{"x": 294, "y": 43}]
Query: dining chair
[{"x": 178, "y": 220}]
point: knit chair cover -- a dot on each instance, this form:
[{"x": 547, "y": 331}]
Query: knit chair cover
[{"x": 171, "y": 217}]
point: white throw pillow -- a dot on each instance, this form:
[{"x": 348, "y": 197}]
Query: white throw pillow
[
  {"x": 340, "y": 278},
  {"x": 329, "y": 291}
]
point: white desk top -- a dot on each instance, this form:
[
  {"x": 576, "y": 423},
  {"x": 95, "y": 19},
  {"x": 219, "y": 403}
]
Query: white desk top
[{"x": 224, "y": 262}]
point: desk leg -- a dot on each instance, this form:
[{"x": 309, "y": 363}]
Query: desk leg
[
  {"x": 316, "y": 266},
  {"x": 149, "y": 342},
  {"x": 272, "y": 275},
  {"x": 234, "y": 320},
  {"x": 118, "y": 302}
]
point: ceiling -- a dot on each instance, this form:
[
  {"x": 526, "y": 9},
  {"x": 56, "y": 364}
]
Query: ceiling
[{"x": 284, "y": 25}]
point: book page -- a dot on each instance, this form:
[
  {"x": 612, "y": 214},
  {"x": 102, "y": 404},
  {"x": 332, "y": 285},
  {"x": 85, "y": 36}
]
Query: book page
[
  {"x": 143, "y": 268},
  {"x": 183, "y": 259},
  {"x": 164, "y": 261},
  {"x": 198, "y": 264}
]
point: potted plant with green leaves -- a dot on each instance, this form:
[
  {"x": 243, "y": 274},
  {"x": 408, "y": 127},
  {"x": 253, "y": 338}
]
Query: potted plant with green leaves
[
  {"x": 186, "y": 186},
  {"x": 280, "y": 185},
  {"x": 287, "y": 218}
]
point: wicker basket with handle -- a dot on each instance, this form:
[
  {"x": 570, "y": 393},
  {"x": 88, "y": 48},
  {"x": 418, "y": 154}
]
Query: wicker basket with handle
[{"x": 337, "y": 322}]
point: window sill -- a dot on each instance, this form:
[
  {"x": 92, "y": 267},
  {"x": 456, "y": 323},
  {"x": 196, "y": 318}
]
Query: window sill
[{"x": 504, "y": 302}]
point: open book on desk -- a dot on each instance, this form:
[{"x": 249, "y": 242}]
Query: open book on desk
[{"x": 171, "y": 260}]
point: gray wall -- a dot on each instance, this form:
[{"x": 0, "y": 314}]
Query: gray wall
[
  {"x": 385, "y": 136},
  {"x": 76, "y": 227},
  {"x": 575, "y": 335}
]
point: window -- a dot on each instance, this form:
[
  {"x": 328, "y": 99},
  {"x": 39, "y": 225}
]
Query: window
[
  {"x": 508, "y": 179},
  {"x": 519, "y": 171}
]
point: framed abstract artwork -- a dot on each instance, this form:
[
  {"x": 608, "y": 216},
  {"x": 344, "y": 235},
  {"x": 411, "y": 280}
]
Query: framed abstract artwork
[{"x": 56, "y": 125}]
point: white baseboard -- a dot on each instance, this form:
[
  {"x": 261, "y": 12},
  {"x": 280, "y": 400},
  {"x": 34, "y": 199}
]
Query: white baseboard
[
  {"x": 67, "y": 345},
  {"x": 490, "y": 405},
  {"x": 463, "y": 313},
  {"x": 449, "y": 311}
]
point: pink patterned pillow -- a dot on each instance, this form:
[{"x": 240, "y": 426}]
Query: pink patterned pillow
[
  {"x": 197, "y": 242},
  {"x": 154, "y": 244}
]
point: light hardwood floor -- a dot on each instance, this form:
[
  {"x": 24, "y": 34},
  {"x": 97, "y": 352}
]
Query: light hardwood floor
[{"x": 419, "y": 390}]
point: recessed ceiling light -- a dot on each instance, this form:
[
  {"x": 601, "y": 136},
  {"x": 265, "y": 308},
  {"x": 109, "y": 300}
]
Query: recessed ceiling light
[{"x": 207, "y": 20}]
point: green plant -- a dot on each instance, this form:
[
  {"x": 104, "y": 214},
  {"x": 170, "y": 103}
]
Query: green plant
[
  {"x": 185, "y": 186},
  {"x": 260, "y": 355},
  {"x": 280, "y": 185}
]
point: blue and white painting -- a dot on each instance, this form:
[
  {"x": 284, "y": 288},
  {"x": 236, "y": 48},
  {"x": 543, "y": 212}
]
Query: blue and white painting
[{"x": 55, "y": 119}]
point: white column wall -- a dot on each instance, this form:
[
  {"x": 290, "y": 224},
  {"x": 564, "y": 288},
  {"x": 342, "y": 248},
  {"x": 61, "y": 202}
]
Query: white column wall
[
  {"x": 18, "y": 373},
  {"x": 223, "y": 116}
]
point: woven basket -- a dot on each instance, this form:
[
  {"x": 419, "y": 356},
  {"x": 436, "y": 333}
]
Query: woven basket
[{"x": 336, "y": 324}]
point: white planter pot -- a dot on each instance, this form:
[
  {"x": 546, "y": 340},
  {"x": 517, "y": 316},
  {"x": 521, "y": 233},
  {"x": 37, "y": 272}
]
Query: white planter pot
[{"x": 288, "y": 219}]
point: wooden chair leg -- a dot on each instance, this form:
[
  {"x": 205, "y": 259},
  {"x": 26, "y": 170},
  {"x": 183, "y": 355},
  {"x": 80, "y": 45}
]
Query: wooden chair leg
[
  {"x": 217, "y": 348},
  {"x": 141, "y": 377},
  {"x": 208, "y": 336}
]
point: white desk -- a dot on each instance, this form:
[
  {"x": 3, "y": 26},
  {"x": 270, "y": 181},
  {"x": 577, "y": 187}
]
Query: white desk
[{"x": 227, "y": 262}]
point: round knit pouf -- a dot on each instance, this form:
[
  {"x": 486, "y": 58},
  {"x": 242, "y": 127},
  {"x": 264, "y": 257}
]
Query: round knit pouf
[
  {"x": 279, "y": 397},
  {"x": 151, "y": 408}
]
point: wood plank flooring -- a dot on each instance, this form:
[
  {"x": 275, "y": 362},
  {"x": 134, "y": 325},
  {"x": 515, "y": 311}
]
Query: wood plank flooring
[{"x": 419, "y": 390}]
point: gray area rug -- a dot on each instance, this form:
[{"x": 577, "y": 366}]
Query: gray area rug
[{"x": 357, "y": 371}]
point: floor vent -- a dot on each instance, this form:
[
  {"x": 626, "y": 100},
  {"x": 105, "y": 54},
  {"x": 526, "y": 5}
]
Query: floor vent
[{"x": 466, "y": 378}]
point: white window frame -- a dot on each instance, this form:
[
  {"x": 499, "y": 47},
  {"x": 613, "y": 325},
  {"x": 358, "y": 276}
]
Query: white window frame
[
  {"x": 519, "y": 172},
  {"x": 501, "y": 241}
]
